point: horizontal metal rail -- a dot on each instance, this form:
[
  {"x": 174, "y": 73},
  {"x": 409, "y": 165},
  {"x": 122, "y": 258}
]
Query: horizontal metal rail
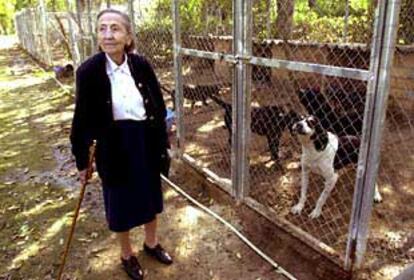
[{"x": 323, "y": 69}]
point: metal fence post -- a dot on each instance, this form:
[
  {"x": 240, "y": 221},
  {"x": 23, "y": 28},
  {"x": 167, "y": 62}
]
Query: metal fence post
[
  {"x": 33, "y": 34},
  {"x": 241, "y": 99},
  {"x": 245, "y": 95},
  {"x": 45, "y": 47},
  {"x": 382, "y": 53},
  {"x": 178, "y": 76}
]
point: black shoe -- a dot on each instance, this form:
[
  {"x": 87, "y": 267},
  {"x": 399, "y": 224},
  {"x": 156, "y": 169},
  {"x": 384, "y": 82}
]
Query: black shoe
[
  {"x": 159, "y": 254},
  {"x": 133, "y": 268}
]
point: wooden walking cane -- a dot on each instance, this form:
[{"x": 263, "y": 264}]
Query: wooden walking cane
[{"x": 76, "y": 213}]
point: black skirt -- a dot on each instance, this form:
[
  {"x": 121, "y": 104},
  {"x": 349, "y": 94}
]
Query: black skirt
[{"x": 128, "y": 165}]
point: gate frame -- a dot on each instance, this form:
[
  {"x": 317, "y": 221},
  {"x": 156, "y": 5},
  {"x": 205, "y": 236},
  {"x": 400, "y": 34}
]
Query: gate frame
[
  {"x": 378, "y": 76},
  {"x": 382, "y": 53}
]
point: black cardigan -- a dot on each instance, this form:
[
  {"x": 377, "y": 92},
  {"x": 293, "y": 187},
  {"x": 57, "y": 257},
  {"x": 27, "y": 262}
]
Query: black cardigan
[{"x": 93, "y": 107}]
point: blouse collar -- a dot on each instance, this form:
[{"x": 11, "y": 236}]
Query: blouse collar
[{"x": 112, "y": 67}]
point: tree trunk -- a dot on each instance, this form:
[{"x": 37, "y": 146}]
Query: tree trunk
[
  {"x": 66, "y": 40},
  {"x": 284, "y": 26},
  {"x": 284, "y": 21},
  {"x": 311, "y": 3}
]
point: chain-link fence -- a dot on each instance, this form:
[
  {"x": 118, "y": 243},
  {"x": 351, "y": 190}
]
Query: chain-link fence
[
  {"x": 320, "y": 63},
  {"x": 244, "y": 75},
  {"x": 31, "y": 27},
  {"x": 390, "y": 244},
  {"x": 68, "y": 37},
  {"x": 53, "y": 38},
  {"x": 275, "y": 98}
]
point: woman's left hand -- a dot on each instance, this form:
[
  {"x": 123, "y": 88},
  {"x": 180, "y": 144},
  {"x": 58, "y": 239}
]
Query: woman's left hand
[{"x": 165, "y": 163}]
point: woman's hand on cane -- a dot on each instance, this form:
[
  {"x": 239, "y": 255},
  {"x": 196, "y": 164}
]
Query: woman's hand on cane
[{"x": 84, "y": 176}]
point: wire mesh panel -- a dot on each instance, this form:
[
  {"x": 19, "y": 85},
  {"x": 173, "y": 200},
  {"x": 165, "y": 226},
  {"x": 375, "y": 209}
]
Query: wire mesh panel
[
  {"x": 207, "y": 114},
  {"x": 306, "y": 30},
  {"x": 206, "y": 26},
  {"x": 276, "y": 153},
  {"x": 71, "y": 32},
  {"x": 31, "y": 30},
  {"x": 207, "y": 91},
  {"x": 154, "y": 38},
  {"x": 390, "y": 245},
  {"x": 305, "y": 176},
  {"x": 48, "y": 36},
  {"x": 153, "y": 26},
  {"x": 62, "y": 38}
]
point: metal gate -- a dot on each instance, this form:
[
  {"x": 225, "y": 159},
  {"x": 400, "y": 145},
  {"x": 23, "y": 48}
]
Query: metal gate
[{"x": 232, "y": 138}]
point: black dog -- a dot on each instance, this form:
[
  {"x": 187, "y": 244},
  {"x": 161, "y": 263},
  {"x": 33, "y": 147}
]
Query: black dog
[
  {"x": 195, "y": 93},
  {"x": 268, "y": 121},
  {"x": 341, "y": 124}
]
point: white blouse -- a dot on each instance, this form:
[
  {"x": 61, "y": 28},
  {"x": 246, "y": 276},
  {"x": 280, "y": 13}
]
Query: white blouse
[{"x": 127, "y": 102}]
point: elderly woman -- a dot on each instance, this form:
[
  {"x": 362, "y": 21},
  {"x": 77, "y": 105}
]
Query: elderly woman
[{"x": 119, "y": 104}]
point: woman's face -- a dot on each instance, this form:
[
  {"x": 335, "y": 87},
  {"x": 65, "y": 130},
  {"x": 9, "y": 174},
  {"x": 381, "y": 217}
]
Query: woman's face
[{"x": 112, "y": 34}]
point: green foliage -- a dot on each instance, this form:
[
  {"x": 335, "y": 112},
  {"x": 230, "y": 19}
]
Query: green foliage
[
  {"x": 322, "y": 22},
  {"x": 326, "y": 21},
  {"x": 20, "y": 4},
  {"x": 7, "y": 9},
  {"x": 196, "y": 16}
]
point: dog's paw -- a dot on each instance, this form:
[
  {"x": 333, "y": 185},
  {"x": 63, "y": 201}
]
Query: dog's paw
[
  {"x": 377, "y": 197},
  {"x": 315, "y": 213},
  {"x": 297, "y": 209}
]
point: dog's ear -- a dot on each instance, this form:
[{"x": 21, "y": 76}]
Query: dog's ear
[
  {"x": 320, "y": 137},
  {"x": 313, "y": 121},
  {"x": 302, "y": 93}
]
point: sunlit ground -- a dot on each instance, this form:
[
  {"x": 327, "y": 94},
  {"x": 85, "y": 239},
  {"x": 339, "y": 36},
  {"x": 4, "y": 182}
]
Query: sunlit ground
[{"x": 33, "y": 212}]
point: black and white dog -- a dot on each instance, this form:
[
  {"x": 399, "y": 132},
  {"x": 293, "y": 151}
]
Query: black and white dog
[
  {"x": 323, "y": 153},
  {"x": 345, "y": 123}
]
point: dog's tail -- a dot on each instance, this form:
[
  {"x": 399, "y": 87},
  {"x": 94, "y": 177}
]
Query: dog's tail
[{"x": 225, "y": 105}]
